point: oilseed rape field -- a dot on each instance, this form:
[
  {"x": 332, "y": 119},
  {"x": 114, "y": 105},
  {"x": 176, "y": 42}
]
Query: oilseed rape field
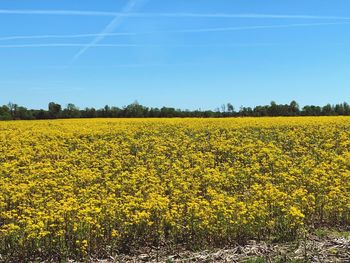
[{"x": 73, "y": 188}]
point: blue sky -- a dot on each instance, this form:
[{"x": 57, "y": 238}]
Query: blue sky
[{"x": 183, "y": 53}]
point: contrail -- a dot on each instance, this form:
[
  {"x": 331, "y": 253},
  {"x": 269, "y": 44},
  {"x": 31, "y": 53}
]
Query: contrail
[
  {"x": 222, "y": 29},
  {"x": 198, "y": 30},
  {"x": 109, "y": 28},
  {"x": 130, "y": 45},
  {"x": 55, "y": 12},
  {"x": 193, "y": 15},
  {"x": 65, "y": 45},
  {"x": 24, "y": 37}
]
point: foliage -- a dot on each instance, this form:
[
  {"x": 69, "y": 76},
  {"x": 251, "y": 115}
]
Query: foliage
[
  {"x": 72, "y": 188},
  {"x": 135, "y": 110}
]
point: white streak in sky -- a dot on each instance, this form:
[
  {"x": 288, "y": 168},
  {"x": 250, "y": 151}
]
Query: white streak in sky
[
  {"x": 199, "y": 30},
  {"x": 64, "y": 45},
  {"x": 146, "y": 15},
  {"x": 53, "y": 45},
  {"x": 32, "y": 37},
  {"x": 243, "y": 28},
  {"x": 54, "y": 12},
  {"x": 118, "y": 19}
]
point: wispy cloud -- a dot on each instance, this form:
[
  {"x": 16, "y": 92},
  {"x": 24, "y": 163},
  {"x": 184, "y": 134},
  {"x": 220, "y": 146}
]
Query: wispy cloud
[
  {"x": 193, "y": 15},
  {"x": 255, "y": 16},
  {"x": 118, "y": 19},
  {"x": 220, "y": 29},
  {"x": 198, "y": 30},
  {"x": 64, "y": 45},
  {"x": 32, "y": 37},
  {"x": 55, "y": 45},
  {"x": 54, "y": 12}
]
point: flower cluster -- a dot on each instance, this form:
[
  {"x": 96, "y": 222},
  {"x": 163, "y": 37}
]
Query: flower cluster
[{"x": 70, "y": 188}]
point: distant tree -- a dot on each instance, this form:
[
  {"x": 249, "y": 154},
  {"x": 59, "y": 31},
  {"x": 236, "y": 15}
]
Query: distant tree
[
  {"x": 5, "y": 113},
  {"x": 115, "y": 112},
  {"x": 273, "y": 109},
  {"x": 71, "y": 111},
  {"x": 23, "y": 113},
  {"x": 54, "y": 110},
  {"x": 154, "y": 113},
  {"x": 40, "y": 114},
  {"x": 230, "y": 108},
  {"x": 88, "y": 113},
  {"x": 261, "y": 111},
  {"x": 166, "y": 112},
  {"x": 342, "y": 109},
  {"x": 223, "y": 108},
  {"x": 135, "y": 110},
  {"x": 346, "y": 109},
  {"x": 246, "y": 112},
  {"x": 13, "y": 108},
  {"x": 328, "y": 110},
  {"x": 311, "y": 110},
  {"x": 106, "y": 111},
  {"x": 294, "y": 109}
]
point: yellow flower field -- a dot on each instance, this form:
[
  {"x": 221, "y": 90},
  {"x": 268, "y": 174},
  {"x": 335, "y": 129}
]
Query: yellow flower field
[{"x": 70, "y": 188}]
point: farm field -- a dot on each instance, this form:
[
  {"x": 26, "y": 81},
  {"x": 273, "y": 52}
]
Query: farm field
[{"x": 74, "y": 188}]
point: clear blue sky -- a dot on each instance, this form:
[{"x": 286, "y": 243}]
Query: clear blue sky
[{"x": 181, "y": 53}]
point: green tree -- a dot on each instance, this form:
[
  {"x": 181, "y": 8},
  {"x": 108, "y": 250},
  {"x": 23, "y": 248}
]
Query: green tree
[
  {"x": 136, "y": 110},
  {"x": 54, "y": 110},
  {"x": 13, "y": 108},
  {"x": 71, "y": 111},
  {"x": 230, "y": 108},
  {"x": 5, "y": 113},
  {"x": 294, "y": 109},
  {"x": 328, "y": 110}
]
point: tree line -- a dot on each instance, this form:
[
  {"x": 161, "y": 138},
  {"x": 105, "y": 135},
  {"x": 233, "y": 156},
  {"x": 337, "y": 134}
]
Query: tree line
[{"x": 12, "y": 111}]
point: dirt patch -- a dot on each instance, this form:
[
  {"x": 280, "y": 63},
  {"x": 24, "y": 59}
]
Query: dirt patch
[{"x": 313, "y": 249}]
